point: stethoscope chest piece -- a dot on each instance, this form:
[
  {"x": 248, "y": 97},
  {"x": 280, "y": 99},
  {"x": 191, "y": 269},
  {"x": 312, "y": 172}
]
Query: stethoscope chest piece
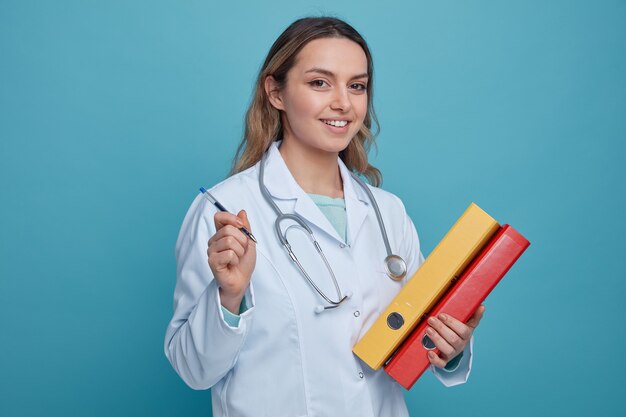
[{"x": 395, "y": 267}]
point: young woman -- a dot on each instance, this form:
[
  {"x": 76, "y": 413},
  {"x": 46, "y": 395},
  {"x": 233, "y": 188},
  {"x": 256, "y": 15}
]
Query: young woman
[{"x": 270, "y": 326}]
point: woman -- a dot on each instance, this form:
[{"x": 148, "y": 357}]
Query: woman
[{"x": 247, "y": 323}]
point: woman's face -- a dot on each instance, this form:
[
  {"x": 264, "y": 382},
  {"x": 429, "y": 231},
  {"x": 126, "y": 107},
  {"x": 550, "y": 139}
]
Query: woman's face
[{"x": 324, "y": 101}]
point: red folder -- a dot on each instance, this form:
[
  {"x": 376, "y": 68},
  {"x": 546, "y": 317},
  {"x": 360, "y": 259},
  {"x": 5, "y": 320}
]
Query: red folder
[{"x": 460, "y": 302}]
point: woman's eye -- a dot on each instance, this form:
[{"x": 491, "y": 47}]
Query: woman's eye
[
  {"x": 317, "y": 83},
  {"x": 359, "y": 86}
]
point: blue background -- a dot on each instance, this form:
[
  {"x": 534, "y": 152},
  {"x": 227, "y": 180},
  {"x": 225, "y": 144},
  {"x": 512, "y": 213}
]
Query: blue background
[{"x": 113, "y": 113}]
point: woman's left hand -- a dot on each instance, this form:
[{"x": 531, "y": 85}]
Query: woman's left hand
[{"x": 450, "y": 335}]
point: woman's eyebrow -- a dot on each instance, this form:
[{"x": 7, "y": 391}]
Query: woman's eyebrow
[{"x": 331, "y": 74}]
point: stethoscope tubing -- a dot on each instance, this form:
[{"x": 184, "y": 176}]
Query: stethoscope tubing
[{"x": 280, "y": 217}]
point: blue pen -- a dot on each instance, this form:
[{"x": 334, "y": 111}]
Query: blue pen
[{"x": 217, "y": 204}]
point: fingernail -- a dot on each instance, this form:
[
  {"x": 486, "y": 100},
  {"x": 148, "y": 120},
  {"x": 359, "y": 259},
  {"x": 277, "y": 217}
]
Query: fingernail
[
  {"x": 432, "y": 320},
  {"x": 431, "y": 355},
  {"x": 239, "y": 223},
  {"x": 443, "y": 316},
  {"x": 430, "y": 331}
]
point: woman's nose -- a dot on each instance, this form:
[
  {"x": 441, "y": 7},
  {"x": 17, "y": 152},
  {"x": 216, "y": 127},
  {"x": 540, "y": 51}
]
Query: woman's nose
[{"x": 341, "y": 100}]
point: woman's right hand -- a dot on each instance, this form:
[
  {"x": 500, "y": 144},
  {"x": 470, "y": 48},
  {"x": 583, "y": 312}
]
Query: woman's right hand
[{"x": 232, "y": 256}]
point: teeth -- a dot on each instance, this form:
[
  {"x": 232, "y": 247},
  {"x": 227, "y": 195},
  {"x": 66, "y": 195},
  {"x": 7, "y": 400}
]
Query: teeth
[{"x": 336, "y": 123}]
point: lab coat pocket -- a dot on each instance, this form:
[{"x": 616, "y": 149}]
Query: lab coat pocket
[{"x": 260, "y": 375}]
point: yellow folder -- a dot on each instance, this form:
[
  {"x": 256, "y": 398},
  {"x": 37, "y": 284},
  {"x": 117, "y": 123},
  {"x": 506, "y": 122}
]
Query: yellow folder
[{"x": 446, "y": 262}]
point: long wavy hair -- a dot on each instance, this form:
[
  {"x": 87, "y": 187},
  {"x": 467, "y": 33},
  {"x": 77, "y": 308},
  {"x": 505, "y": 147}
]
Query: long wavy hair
[{"x": 263, "y": 122}]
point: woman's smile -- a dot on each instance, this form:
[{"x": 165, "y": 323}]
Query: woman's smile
[{"x": 337, "y": 126}]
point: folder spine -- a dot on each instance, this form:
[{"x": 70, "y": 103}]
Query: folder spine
[
  {"x": 460, "y": 302},
  {"x": 460, "y": 245}
]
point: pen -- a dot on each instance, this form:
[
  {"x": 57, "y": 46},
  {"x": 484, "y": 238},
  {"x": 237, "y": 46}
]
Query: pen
[{"x": 217, "y": 204}]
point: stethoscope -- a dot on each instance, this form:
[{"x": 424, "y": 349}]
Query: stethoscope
[{"x": 394, "y": 264}]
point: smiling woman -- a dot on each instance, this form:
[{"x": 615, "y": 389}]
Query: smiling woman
[
  {"x": 264, "y": 123},
  {"x": 323, "y": 103},
  {"x": 259, "y": 323}
]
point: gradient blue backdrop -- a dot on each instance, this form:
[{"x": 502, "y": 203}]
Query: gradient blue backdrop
[{"x": 113, "y": 113}]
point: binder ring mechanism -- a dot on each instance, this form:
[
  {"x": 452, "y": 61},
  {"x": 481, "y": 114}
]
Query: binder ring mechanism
[
  {"x": 428, "y": 343},
  {"x": 395, "y": 320}
]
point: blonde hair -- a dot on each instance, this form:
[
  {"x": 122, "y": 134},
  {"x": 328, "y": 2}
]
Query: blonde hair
[{"x": 263, "y": 122}]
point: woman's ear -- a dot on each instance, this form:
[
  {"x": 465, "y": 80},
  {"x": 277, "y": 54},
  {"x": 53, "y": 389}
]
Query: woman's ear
[{"x": 273, "y": 93}]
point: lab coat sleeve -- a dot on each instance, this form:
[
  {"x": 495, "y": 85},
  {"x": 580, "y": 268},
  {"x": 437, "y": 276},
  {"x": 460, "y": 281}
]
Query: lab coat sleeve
[
  {"x": 415, "y": 258},
  {"x": 462, "y": 371},
  {"x": 199, "y": 343}
]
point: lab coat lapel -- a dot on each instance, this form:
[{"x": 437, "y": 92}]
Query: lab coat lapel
[
  {"x": 357, "y": 203},
  {"x": 290, "y": 197}
]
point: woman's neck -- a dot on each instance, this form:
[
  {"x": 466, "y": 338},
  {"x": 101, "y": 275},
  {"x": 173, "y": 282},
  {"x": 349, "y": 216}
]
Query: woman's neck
[{"x": 315, "y": 171}]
